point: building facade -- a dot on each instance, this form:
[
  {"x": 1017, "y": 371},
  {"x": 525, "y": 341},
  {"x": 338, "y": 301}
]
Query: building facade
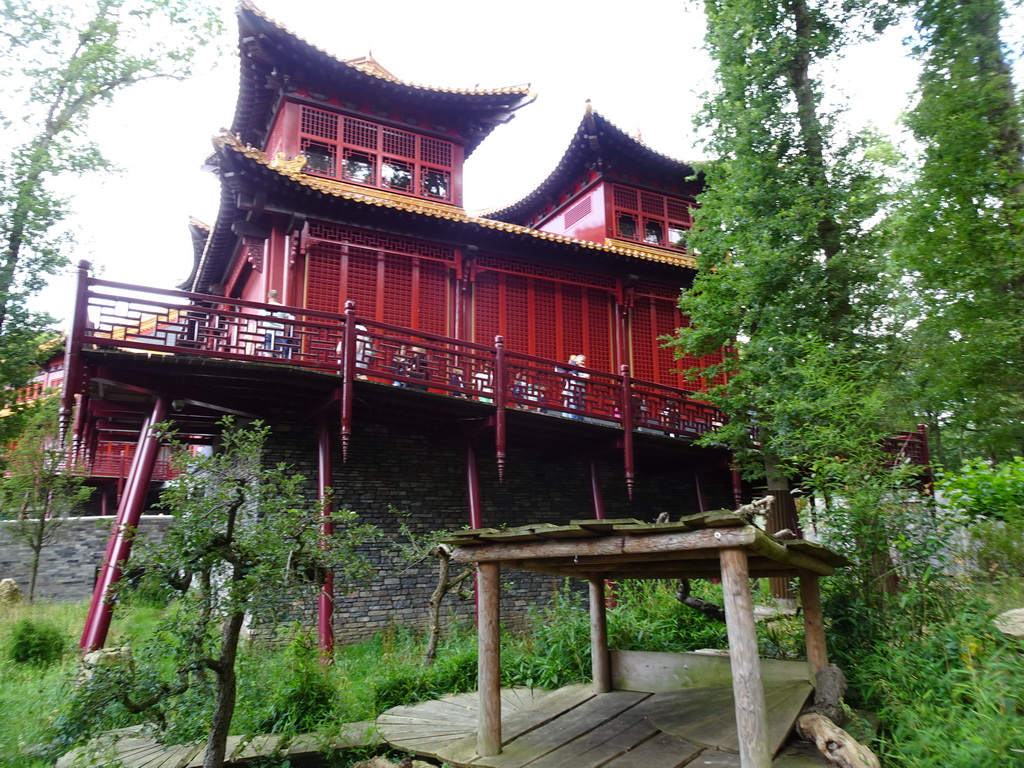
[{"x": 468, "y": 370}]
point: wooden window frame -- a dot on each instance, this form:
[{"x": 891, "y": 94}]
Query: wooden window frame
[
  {"x": 642, "y": 214},
  {"x": 431, "y": 162}
]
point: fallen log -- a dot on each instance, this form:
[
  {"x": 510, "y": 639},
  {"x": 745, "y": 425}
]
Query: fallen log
[{"x": 818, "y": 724}]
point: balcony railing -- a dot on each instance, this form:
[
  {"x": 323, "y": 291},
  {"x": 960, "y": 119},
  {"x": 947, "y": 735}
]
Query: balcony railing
[{"x": 128, "y": 317}]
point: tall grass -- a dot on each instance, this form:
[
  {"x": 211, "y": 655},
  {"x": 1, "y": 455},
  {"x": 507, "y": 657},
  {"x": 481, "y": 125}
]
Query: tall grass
[{"x": 947, "y": 686}]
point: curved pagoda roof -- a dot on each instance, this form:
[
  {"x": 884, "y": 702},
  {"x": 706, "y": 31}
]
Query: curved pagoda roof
[
  {"x": 598, "y": 145},
  {"x": 276, "y": 60},
  {"x": 240, "y": 164}
]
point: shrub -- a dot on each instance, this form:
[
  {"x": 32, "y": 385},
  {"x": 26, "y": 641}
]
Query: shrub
[
  {"x": 301, "y": 695},
  {"x": 35, "y": 642}
]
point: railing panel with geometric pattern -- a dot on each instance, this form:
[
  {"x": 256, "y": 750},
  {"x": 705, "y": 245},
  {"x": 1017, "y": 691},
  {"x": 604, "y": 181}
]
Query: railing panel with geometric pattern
[{"x": 130, "y": 317}]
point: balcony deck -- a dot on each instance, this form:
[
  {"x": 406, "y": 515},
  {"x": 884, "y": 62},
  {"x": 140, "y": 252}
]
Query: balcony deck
[{"x": 145, "y": 320}]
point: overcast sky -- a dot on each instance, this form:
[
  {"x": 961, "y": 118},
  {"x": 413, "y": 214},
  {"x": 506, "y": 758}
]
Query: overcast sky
[{"x": 641, "y": 64}]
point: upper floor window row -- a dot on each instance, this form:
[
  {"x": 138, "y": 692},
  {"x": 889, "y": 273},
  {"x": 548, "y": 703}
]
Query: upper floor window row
[
  {"x": 362, "y": 152},
  {"x": 647, "y": 217}
]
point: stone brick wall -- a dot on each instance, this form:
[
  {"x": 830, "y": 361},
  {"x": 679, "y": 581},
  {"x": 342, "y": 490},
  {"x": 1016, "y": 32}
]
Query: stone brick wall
[
  {"x": 67, "y": 566},
  {"x": 422, "y": 475}
]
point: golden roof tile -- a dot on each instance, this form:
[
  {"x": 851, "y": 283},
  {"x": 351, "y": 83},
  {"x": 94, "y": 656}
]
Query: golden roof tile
[
  {"x": 371, "y": 67},
  {"x": 381, "y": 198}
]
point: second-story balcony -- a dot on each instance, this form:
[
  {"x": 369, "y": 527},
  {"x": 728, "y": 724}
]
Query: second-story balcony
[
  {"x": 134, "y": 318},
  {"x": 260, "y": 343}
]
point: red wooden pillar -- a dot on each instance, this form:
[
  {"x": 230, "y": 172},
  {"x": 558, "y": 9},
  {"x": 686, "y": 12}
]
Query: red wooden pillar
[
  {"x": 348, "y": 375},
  {"x": 73, "y": 373},
  {"x": 500, "y": 402},
  {"x": 119, "y": 546},
  {"x": 737, "y": 486},
  {"x": 325, "y": 601},
  {"x": 626, "y": 410},
  {"x": 595, "y": 490},
  {"x": 473, "y": 487}
]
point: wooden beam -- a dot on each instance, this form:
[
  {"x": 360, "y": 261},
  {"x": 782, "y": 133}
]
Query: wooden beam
[
  {"x": 488, "y": 737},
  {"x": 610, "y": 545},
  {"x": 765, "y": 545},
  {"x": 814, "y": 625},
  {"x": 748, "y": 692},
  {"x": 600, "y": 661}
]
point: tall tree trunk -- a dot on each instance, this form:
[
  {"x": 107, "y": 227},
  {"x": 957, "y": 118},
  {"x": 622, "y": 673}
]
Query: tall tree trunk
[
  {"x": 782, "y": 514},
  {"x": 227, "y": 689}
]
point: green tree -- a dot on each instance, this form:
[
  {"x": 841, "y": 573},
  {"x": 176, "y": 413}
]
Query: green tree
[
  {"x": 58, "y": 62},
  {"x": 962, "y": 232},
  {"x": 789, "y": 264},
  {"x": 244, "y": 543},
  {"x": 39, "y": 491}
]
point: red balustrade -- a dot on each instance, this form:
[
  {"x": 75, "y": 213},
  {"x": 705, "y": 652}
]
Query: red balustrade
[{"x": 129, "y": 317}]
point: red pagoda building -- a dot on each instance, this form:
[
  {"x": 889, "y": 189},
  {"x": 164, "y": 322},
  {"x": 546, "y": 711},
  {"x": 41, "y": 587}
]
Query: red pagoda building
[{"x": 407, "y": 354}]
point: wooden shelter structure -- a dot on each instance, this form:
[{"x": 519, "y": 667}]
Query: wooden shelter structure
[{"x": 719, "y": 544}]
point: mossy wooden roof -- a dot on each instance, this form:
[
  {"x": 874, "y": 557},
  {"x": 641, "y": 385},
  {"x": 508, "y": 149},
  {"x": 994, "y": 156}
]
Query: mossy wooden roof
[{"x": 631, "y": 549}]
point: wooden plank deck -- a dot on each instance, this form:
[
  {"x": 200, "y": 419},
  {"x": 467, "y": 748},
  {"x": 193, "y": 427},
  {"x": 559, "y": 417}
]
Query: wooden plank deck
[
  {"x": 129, "y": 749},
  {"x": 573, "y": 727}
]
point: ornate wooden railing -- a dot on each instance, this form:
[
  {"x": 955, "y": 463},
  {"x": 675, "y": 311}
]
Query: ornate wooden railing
[
  {"x": 120, "y": 316},
  {"x": 130, "y": 317}
]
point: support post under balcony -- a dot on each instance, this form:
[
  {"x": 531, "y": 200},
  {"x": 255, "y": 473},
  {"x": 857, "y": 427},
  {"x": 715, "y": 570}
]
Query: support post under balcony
[
  {"x": 500, "y": 402},
  {"x": 626, "y": 411},
  {"x": 119, "y": 546},
  {"x": 348, "y": 375},
  {"x": 73, "y": 384},
  {"x": 325, "y": 600}
]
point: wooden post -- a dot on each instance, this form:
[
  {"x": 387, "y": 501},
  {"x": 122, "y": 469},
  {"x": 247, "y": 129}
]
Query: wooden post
[
  {"x": 748, "y": 693},
  {"x": 500, "y": 402},
  {"x": 122, "y": 534},
  {"x": 814, "y": 625},
  {"x": 325, "y": 483},
  {"x": 348, "y": 370},
  {"x": 626, "y": 414},
  {"x": 597, "y": 497},
  {"x": 488, "y": 737},
  {"x": 600, "y": 662}
]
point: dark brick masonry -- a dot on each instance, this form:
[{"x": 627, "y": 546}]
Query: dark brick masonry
[
  {"x": 423, "y": 475},
  {"x": 67, "y": 567}
]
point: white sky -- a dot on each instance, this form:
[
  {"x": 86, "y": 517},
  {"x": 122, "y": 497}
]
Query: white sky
[{"x": 641, "y": 64}]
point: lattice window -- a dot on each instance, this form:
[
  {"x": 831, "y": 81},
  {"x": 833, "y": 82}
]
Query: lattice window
[
  {"x": 656, "y": 314},
  {"x": 324, "y": 277},
  {"x": 647, "y": 217},
  {"x": 578, "y": 212},
  {"x": 545, "y": 313},
  {"x": 392, "y": 287},
  {"x": 319, "y": 230},
  {"x": 362, "y": 152},
  {"x": 360, "y": 133},
  {"x": 542, "y": 317},
  {"x": 547, "y": 271},
  {"x": 316, "y": 122},
  {"x": 435, "y": 152},
  {"x": 399, "y": 143}
]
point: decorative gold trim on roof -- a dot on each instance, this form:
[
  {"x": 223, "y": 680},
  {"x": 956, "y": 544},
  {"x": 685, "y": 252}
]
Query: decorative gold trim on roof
[
  {"x": 371, "y": 66},
  {"x": 381, "y": 73},
  {"x": 194, "y": 222},
  {"x": 683, "y": 259},
  {"x": 384, "y": 199}
]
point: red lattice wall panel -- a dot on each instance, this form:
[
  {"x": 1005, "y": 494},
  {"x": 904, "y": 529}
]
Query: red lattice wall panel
[
  {"x": 544, "y": 317},
  {"x": 387, "y": 283},
  {"x": 655, "y": 314}
]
